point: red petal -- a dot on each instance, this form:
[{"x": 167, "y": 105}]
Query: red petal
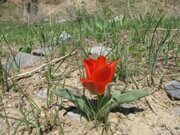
[
  {"x": 102, "y": 74},
  {"x": 93, "y": 87},
  {"x": 90, "y": 85},
  {"x": 101, "y": 61},
  {"x": 101, "y": 88},
  {"x": 89, "y": 66},
  {"x": 112, "y": 67}
]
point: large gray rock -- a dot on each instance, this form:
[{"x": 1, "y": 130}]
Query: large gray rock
[
  {"x": 173, "y": 89},
  {"x": 22, "y": 60}
]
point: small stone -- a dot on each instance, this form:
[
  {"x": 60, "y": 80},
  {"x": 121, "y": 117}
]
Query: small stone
[
  {"x": 129, "y": 109},
  {"x": 42, "y": 93},
  {"x": 119, "y": 86},
  {"x": 74, "y": 115},
  {"x": 176, "y": 111},
  {"x": 61, "y": 21},
  {"x": 173, "y": 89},
  {"x": 99, "y": 50},
  {"x": 36, "y": 78},
  {"x": 43, "y": 51},
  {"x": 64, "y": 36},
  {"x": 117, "y": 19}
]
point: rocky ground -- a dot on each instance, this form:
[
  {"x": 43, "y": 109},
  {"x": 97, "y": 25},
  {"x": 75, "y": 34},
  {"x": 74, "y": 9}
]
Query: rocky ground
[{"x": 156, "y": 114}]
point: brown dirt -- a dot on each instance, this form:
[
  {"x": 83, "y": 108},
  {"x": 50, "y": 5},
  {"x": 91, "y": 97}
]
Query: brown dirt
[
  {"x": 65, "y": 9},
  {"x": 155, "y": 114}
]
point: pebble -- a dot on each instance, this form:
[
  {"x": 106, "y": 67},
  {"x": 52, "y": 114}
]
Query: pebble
[
  {"x": 74, "y": 115},
  {"x": 173, "y": 89},
  {"x": 118, "y": 19},
  {"x": 99, "y": 50},
  {"x": 64, "y": 36},
  {"x": 43, "y": 51},
  {"x": 41, "y": 93},
  {"x": 127, "y": 109},
  {"x": 120, "y": 87},
  {"x": 176, "y": 111}
]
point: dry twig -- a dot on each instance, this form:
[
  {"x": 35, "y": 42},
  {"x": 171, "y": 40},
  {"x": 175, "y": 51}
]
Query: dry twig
[
  {"x": 150, "y": 105},
  {"x": 30, "y": 73}
]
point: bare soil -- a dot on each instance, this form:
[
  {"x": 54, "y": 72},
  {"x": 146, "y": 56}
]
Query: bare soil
[
  {"x": 152, "y": 115},
  {"x": 156, "y": 114},
  {"x": 67, "y": 9}
]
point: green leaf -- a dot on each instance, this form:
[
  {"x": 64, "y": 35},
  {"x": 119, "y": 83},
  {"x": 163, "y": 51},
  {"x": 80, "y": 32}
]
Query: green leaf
[
  {"x": 128, "y": 96},
  {"x": 118, "y": 98},
  {"x": 71, "y": 96},
  {"x": 80, "y": 101},
  {"x": 106, "y": 103}
]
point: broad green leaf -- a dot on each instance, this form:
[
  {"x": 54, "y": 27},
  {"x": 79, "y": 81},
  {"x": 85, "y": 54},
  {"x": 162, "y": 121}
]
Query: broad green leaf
[
  {"x": 128, "y": 96},
  {"x": 80, "y": 101},
  {"x": 106, "y": 102},
  {"x": 118, "y": 98},
  {"x": 71, "y": 96}
]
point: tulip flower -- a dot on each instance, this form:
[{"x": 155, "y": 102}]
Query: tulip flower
[{"x": 99, "y": 73}]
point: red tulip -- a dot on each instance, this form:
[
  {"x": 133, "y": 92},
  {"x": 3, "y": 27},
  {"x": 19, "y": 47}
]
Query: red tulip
[{"x": 99, "y": 72}]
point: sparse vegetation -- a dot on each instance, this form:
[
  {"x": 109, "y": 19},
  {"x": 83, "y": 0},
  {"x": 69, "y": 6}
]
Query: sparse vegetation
[{"x": 145, "y": 45}]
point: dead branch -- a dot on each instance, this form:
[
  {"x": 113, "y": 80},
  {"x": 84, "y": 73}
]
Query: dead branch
[{"x": 38, "y": 69}]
